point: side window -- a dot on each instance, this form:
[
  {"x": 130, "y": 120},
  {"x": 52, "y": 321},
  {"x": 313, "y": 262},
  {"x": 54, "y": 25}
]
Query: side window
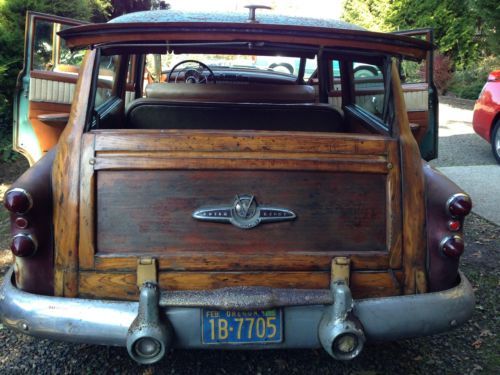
[
  {"x": 50, "y": 52},
  {"x": 369, "y": 90},
  {"x": 108, "y": 69}
]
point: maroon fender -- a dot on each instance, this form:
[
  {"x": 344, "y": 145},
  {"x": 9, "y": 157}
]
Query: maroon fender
[
  {"x": 34, "y": 273},
  {"x": 442, "y": 269}
]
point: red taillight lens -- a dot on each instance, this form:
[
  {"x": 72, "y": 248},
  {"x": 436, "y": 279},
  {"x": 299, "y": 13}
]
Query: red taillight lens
[
  {"x": 23, "y": 245},
  {"x": 21, "y": 222},
  {"x": 459, "y": 205},
  {"x": 454, "y": 225},
  {"x": 18, "y": 201},
  {"x": 453, "y": 246}
]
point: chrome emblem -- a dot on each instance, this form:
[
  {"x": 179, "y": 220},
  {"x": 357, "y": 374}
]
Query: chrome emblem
[{"x": 245, "y": 213}]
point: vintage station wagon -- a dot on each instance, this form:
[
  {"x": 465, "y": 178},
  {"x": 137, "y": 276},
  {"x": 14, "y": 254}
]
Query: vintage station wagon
[{"x": 218, "y": 181}]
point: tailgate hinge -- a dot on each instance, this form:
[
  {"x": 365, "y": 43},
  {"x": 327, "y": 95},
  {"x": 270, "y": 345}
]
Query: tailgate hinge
[
  {"x": 146, "y": 271},
  {"x": 341, "y": 270}
]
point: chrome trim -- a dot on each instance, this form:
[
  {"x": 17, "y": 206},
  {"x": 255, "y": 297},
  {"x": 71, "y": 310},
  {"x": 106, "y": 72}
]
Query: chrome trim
[
  {"x": 244, "y": 213},
  {"x": 28, "y": 195},
  {"x": 107, "y": 322},
  {"x": 445, "y": 239},
  {"x": 450, "y": 199}
]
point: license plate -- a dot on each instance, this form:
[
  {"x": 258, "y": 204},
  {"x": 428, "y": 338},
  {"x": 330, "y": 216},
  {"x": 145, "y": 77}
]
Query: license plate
[{"x": 241, "y": 327}]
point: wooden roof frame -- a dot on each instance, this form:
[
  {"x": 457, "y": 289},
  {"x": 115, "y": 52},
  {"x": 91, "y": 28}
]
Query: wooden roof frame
[{"x": 92, "y": 35}]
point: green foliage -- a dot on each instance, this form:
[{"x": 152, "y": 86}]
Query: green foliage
[
  {"x": 370, "y": 14},
  {"x": 128, "y": 6},
  {"x": 455, "y": 23},
  {"x": 12, "y": 25},
  {"x": 469, "y": 83}
]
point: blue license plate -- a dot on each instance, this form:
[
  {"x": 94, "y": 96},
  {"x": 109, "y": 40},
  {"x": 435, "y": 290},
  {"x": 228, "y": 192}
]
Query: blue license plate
[{"x": 241, "y": 327}]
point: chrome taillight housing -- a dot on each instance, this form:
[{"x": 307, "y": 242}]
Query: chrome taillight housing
[
  {"x": 459, "y": 205},
  {"x": 18, "y": 201},
  {"x": 23, "y": 245},
  {"x": 452, "y": 246}
]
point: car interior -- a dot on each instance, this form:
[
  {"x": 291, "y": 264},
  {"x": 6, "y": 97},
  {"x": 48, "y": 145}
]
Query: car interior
[{"x": 238, "y": 92}]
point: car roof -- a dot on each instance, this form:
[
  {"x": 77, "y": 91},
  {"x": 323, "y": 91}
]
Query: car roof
[
  {"x": 171, "y": 26},
  {"x": 262, "y": 17}
]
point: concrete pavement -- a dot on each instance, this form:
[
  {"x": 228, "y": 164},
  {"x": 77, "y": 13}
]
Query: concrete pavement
[
  {"x": 482, "y": 183},
  {"x": 467, "y": 160}
]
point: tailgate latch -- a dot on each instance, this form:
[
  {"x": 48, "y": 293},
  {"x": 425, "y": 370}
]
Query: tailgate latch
[
  {"x": 340, "y": 270},
  {"x": 146, "y": 271}
]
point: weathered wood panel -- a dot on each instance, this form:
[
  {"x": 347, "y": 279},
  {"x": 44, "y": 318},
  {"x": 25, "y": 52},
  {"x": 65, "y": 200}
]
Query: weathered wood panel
[
  {"x": 123, "y": 285},
  {"x": 130, "y": 140},
  {"x": 150, "y": 211},
  {"x": 413, "y": 204},
  {"x": 231, "y": 261},
  {"x": 66, "y": 187}
]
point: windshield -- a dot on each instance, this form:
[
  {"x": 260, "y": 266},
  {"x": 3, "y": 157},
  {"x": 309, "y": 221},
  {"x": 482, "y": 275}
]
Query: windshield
[{"x": 278, "y": 64}]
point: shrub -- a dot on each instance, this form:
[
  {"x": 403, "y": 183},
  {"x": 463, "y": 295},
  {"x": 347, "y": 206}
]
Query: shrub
[
  {"x": 442, "y": 72},
  {"x": 468, "y": 83}
]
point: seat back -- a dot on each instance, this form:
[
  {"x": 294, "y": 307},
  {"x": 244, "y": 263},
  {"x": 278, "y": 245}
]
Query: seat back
[{"x": 162, "y": 114}]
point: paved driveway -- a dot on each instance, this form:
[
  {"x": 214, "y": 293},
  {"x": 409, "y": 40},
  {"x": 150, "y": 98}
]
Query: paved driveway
[{"x": 467, "y": 159}]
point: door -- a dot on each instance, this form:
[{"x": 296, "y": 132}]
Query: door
[
  {"x": 421, "y": 96},
  {"x": 45, "y": 86}
]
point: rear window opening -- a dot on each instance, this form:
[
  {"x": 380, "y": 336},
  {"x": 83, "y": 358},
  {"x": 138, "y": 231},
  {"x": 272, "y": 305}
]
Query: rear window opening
[{"x": 237, "y": 92}]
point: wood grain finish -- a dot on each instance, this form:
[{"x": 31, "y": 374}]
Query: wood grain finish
[
  {"x": 227, "y": 32},
  {"x": 163, "y": 175},
  {"x": 151, "y": 211},
  {"x": 123, "y": 285},
  {"x": 47, "y": 135},
  {"x": 65, "y": 186},
  {"x": 87, "y": 204},
  {"x": 231, "y": 261},
  {"x": 413, "y": 204}
]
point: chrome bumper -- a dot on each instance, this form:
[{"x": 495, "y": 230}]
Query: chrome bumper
[{"x": 107, "y": 322}]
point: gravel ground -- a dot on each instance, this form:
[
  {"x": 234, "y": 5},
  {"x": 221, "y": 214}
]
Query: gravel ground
[{"x": 470, "y": 349}]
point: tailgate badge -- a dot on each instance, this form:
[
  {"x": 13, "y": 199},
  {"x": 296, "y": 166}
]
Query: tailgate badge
[{"x": 244, "y": 213}]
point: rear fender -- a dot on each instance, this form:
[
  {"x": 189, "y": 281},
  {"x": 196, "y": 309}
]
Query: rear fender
[
  {"x": 35, "y": 274},
  {"x": 442, "y": 270}
]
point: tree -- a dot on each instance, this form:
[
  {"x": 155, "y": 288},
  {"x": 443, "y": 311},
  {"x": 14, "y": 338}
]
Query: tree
[
  {"x": 455, "y": 22},
  {"x": 12, "y": 23},
  {"x": 370, "y": 14}
]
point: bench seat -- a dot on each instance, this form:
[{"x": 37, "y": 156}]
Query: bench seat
[{"x": 147, "y": 113}]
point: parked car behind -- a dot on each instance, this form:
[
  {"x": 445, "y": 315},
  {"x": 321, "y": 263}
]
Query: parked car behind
[
  {"x": 486, "y": 119},
  {"x": 220, "y": 206}
]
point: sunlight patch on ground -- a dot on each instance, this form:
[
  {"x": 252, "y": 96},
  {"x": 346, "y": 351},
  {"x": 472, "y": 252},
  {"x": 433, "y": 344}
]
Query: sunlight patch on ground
[{"x": 454, "y": 121}]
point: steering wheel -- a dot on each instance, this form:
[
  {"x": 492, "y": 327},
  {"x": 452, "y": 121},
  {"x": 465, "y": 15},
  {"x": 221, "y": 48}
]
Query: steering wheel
[{"x": 192, "y": 74}]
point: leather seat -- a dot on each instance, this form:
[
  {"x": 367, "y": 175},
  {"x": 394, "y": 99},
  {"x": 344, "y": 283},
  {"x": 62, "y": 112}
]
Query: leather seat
[{"x": 162, "y": 114}]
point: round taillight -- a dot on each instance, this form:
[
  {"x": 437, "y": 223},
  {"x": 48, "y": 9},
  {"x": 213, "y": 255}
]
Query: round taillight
[
  {"x": 18, "y": 200},
  {"x": 454, "y": 225},
  {"x": 459, "y": 204},
  {"x": 23, "y": 245},
  {"x": 21, "y": 222},
  {"x": 453, "y": 246}
]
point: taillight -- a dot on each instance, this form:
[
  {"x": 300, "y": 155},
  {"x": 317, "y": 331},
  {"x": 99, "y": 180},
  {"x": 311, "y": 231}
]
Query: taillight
[
  {"x": 21, "y": 222},
  {"x": 23, "y": 245},
  {"x": 459, "y": 205},
  {"x": 454, "y": 225},
  {"x": 453, "y": 246},
  {"x": 18, "y": 201}
]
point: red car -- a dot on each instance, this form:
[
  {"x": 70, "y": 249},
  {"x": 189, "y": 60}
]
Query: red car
[{"x": 486, "y": 120}]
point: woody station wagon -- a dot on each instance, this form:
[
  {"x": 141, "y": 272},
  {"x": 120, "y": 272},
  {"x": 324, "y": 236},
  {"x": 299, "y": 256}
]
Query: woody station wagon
[{"x": 217, "y": 181}]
